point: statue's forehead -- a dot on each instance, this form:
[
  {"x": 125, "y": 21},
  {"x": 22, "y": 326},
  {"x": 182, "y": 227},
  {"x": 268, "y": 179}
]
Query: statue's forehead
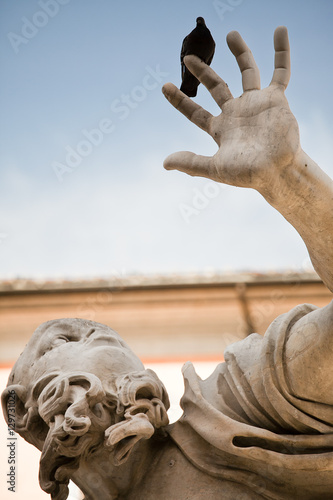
[
  {"x": 63, "y": 338},
  {"x": 76, "y": 327},
  {"x": 72, "y": 329}
]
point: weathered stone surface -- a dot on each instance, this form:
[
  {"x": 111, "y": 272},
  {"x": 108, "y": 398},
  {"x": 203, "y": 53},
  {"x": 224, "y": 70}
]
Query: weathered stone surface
[{"x": 261, "y": 426}]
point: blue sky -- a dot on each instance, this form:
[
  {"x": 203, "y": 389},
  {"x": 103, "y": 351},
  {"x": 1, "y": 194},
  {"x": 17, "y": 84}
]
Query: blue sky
[{"x": 85, "y": 129}]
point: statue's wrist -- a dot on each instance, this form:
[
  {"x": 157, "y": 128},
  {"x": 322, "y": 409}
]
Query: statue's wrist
[{"x": 290, "y": 186}]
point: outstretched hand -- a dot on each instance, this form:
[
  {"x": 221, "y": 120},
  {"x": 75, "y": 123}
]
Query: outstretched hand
[{"x": 256, "y": 133}]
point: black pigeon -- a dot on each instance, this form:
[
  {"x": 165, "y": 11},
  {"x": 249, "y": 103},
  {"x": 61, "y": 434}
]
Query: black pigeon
[{"x": 199, "y": 43}]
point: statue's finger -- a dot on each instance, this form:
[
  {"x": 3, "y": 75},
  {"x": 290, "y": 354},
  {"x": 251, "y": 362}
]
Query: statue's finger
[
  {"x": 281, "y": 75},
  {"x": 214, "y": 83},
  {"x": 189, "y": 108},
  {"x": 245, "y": 60},
  {"x": 191, "y": 164}
]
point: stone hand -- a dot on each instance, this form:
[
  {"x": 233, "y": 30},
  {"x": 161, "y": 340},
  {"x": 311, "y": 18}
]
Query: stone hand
[
  {"x": 256, "y": 133},
  {"x": 259, "y": 147}
]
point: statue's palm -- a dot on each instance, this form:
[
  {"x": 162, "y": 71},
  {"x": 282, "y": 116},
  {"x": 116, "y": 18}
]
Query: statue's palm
[{"x": 256, "y": 131}]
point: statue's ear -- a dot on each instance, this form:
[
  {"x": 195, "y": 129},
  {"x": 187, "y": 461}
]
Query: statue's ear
[{"x": 24, "y": 421}]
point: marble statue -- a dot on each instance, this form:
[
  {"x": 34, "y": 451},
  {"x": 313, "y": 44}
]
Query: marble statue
[{"x": 261, "y": 426}]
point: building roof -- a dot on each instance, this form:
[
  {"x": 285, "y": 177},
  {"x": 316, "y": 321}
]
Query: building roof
[{"x": 155, "y": 281}]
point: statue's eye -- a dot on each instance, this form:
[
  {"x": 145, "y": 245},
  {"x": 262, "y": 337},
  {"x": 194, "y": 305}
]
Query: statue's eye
[
  {"x": 60, "y": 340},
  {"x": 55, "y": 341}
]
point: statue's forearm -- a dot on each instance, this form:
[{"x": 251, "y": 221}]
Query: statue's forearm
[{"x": 303, "y": 194}]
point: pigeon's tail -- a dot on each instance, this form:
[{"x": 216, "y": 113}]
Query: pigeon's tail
[{"x": 189, "y": 84}]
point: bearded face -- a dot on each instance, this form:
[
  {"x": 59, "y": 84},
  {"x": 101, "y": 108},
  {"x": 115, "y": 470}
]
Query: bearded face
[{"x": 80, "y": 388}]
